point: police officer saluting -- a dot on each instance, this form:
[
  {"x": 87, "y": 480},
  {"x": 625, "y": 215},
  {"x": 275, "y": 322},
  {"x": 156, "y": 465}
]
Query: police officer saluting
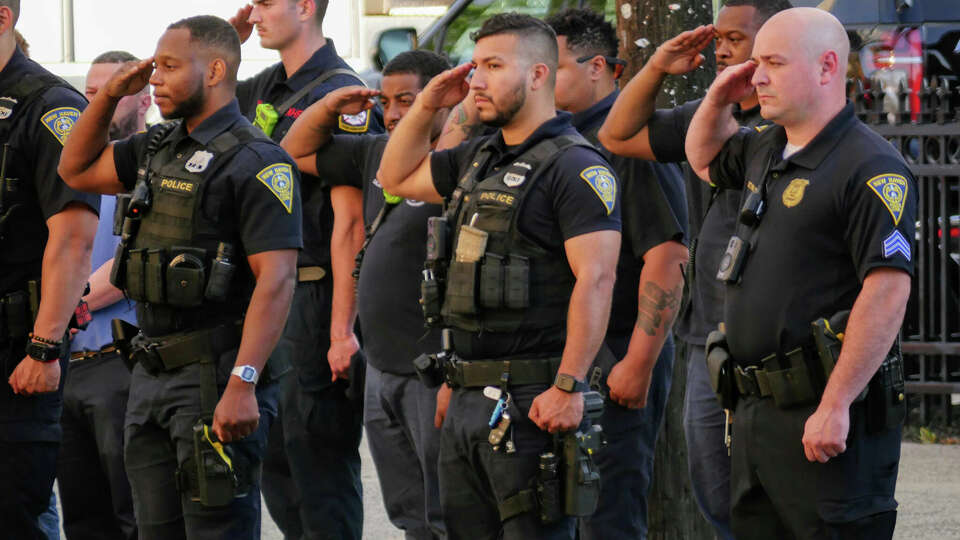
[
  {"x": 527, "y": 254},
  {"x": 209, "y": 253},
  {"x": 825, "y": 227},
  {"x": 46, "y": 234}
]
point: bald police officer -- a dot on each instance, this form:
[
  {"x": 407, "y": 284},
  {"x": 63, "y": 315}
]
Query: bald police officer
[
  {"x": 826, "y": 226},
  {"x": 209, "y": 253},
  {"x": 46, "y": 233}
]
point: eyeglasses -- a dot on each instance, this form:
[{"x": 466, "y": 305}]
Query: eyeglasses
[{"x": 618, "y": 64}]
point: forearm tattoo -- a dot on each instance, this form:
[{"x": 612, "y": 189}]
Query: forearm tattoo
[
  {"x": 654, "y": 303},
  {"x": 461, "y": 122}
]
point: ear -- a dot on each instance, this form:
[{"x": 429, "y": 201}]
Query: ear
[
  {"x": 143, "y": 103},
  {"x": 539, "y": 75},
  {"x": 306, "y": 9},
  {"x": 216, "y": 72},
  {"x": 598, "y": 65},
  {"x": 6, "y": 20},
  {"x": 829, "y": 66}
]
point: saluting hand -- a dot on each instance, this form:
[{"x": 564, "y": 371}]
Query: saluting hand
[
  {"x": 241, "y": 22},
  {"x": 350, "y": 100},
  {"x": 130, "y": 78},
  {"x": 681, "y": 54},
  {"x": 33, "y": 377},
  {"x": 732, "y": 85},
  {"x": 557, "y": 411},
  {"x": 446, "y": 89},
  {"x": 825, "y": 433},
  {"x": 237, "y": 414}
]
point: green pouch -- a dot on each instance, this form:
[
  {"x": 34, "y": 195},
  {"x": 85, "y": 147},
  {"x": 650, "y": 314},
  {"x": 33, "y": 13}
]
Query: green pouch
[
  {"x": 186, "y": 278},
  {"x": 491, "y": 281},
  {"x": 153, "y": 275},
  {"x": 790, "y": 387},
  {"x": 136, "y": 262},
  {"x": 266, "y": 119},
  {"x": 517, "y": 283},
  {"x": 461, "y": 288}
]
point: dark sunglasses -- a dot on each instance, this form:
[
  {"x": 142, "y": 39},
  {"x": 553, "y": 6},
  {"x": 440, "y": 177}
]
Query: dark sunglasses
[{"x": 618, "y": 64}]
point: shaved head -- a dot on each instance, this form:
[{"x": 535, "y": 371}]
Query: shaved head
[{"x": 815, "y": 30}]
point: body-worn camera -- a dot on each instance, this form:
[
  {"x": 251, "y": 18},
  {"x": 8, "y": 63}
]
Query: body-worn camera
[{"x": 731, "y": 265}]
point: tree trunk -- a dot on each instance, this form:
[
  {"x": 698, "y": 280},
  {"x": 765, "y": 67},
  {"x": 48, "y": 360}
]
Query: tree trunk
[{"x": 641, "y": 26}]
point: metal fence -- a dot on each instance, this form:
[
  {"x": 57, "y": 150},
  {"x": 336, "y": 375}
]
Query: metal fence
[{"x": 929, "y": 139}]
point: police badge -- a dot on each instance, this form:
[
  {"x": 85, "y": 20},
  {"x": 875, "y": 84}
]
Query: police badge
[{"x": 199, "y": 161}]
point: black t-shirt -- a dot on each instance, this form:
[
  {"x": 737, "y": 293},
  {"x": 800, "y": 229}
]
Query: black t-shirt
[
  {"x": 388, "y": 291},
  {"x": 713, "y": 215},
  {"x": 652, "y": 209},
  {"x": 560, "y": 206},
  {"x": 35, "y": 143},
  {"x": 257, "y": 217},
  {"x": 841, "y": 206},
  {"x": 273, "y": 86}
]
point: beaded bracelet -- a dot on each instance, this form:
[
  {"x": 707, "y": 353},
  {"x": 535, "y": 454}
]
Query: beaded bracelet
[{"x": 44, "y": 340}]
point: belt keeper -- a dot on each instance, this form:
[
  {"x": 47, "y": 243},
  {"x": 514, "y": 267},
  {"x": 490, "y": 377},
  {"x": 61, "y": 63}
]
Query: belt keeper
[{"x": 505, "y": 377}]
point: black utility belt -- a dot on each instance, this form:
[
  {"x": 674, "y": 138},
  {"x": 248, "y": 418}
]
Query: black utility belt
[
  {"x": 795, "y": 378},
  {"x": 173, "y": 352},
  {"x": 481, "y": 373},
  {"x": 177, "y": 276}
]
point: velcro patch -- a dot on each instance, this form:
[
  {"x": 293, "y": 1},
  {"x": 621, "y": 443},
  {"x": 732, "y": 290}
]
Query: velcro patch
[
  {"x": 496, "y": 197},
  {"x": 603, "y": 183},
  {"x": 895, "y": 243},
  {"x": 892, "y": 190},
  {"x": 355, "y": 123},
  {"x": 60, "y": 121},
  {"x": 279, "y": 180},
  {"x": 176, "y": 185}
]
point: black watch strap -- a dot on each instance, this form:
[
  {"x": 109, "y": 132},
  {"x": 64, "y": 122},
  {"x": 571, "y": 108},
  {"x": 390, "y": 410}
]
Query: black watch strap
[
  {"x": 569, "y": 383},
  {"x": 43, "y": 352}
]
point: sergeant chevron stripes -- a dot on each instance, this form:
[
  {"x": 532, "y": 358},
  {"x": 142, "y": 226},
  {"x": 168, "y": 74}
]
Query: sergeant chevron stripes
[{"x": 896, "y": 243}]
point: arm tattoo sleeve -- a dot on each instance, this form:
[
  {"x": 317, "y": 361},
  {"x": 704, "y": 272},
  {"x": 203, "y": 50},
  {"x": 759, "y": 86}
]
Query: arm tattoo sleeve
[{"x": 654, "y": 302}]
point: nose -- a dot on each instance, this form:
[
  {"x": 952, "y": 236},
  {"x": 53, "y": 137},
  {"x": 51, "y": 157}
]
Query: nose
[
  {"x": 254, "y": 17},
  {"x": 391, "y": 113},
  {"x": 722, "y": 48},
  {"x": 759, "y": 76},
  {"x": 477, "y": 81},
  {"x": 155, "y": 79}
]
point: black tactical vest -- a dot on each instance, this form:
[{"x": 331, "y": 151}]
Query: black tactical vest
[
  {"x": 169, "y": 261},
  {"x": 23, "y": 231},
  {"x": 516, "y": 285}
]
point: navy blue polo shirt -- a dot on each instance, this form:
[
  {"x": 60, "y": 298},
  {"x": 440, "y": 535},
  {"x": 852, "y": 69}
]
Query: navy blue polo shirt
[
  {"x": 40, "y": 128},
  {"x": 388, "y": 291},
  {"x": 840, "y": 207},
  {"x": 561, "y": 205},
  {"x": 274, "y": 86},
  {"x": 248, "y": 213},
  {"x": 712, "y": 214},
  {"x": 652, "y": 208}
]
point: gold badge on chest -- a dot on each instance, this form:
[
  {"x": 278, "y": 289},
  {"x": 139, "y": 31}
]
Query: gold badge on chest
[{"x": 794, "y": 192}]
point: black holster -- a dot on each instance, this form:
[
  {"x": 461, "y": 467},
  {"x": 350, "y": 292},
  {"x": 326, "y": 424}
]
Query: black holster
[{"x": 721, "y": 370}]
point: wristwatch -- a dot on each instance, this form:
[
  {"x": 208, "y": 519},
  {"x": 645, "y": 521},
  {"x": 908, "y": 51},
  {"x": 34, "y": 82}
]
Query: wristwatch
[
  {"x": 569, "y": 383},
  {"x": 246, "y": 373},
  {"x": 43, "y": 352}
]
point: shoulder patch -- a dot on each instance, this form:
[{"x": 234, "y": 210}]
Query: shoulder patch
[
  {"x": 279, "y": 180},
  {"x": 6, "y": 107},
  {"x": 603, "y": 183},
  {"x": 892, "y": 190},
  {"x": 355, "y": 123},
  {"x": 60, "y": 121}
]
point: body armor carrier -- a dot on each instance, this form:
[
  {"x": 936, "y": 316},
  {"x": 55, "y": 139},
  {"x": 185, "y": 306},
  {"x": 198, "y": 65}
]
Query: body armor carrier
[
  {"x": 172, "y": 236},
  {"x": 497, "y": 278},
  {"x": 23, "y": 231}
]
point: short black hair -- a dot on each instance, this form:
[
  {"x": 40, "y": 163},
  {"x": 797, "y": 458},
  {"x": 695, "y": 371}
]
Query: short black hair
[
  {"x": 114, "y": 57},
  {"x": 425, "y": 64},
  {"x": 586, "y": 31},
  {"x": 530, "y": 29},
  {"x": 215, "y": 33},
  {"x": 321, "y": 10},
  {"x": 14, "y": 6},
  {"x": 765, "y": 8}
]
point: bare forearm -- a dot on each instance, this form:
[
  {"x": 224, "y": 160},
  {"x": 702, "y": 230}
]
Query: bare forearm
[
  {"x": 659, "y": 293},
  {"x": 587, "y": 319},
  {"x": 873, "y": 325},
  {"x": 461, "y": 125},
  {"x": 310, "y": 131},
  {"x": 409, "y": 145},
  {"x": 66, "y": 265},
  {"x": 266, "y": 317},
  {"x": 710, "y": 128},
  {"x": 633, "y": 108},
  {"x": 102, "y": 292},
  {"x": 344, "y": 246}
]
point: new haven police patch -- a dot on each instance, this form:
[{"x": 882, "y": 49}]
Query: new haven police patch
[
  {"x": 355, "y": 123},
  {"x": 279, "y": 180},
  {"x": 60, "y": 121},
  {"x": 892, "y": 190},
  {"x": 604, "y": 184}
]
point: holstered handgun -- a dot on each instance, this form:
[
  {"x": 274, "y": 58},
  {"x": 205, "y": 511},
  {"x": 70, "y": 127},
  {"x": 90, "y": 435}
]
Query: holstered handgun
[
  {"x": 123, "y": 334},
  {"x": 720, "y": 369},
  {"x": 581, "y": 483},
  {"x": 208, "y": 476}
]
